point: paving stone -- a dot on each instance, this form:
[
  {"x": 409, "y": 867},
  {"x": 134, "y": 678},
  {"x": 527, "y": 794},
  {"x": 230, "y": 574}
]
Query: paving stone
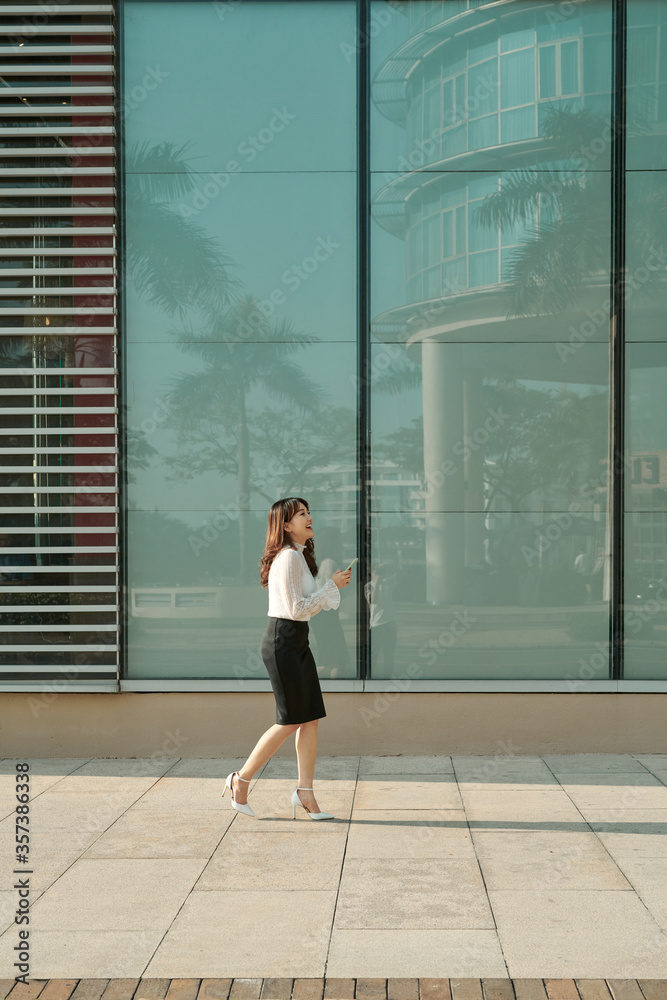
[
  {"x": 402, "y": 989},
  {"x": 152, "y": 989},
  {"x": 529, "y": 989},
  {"x": 183, "y": 989},
  {"x": 434, "y": 989},
  {"x": 625, "y": 989},
  {"x": 561, "y": 989},
  {"x": 22, "y": 992},
  {"x": 120, "y": 989},
  {"x": 498, "y": 989},
  {"x": 58, "y": 989},
  {"x": 277, "y": 989},
  {"x": 339, "y": 989},
  {"x": 371, "y": 989},
  {"x": 214, "y": 989},
  {"x": 88, "y": 989},
  {"x": 466, "y": 989},
  {"x": 308, "y": 989},
  {"x": 593, "y": 989},
  {"x": 654, "y": 989},
  {"x": 245, "y": 989}
]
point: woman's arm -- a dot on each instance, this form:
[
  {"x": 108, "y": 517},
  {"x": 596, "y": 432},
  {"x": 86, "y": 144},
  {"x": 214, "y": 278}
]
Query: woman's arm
[{"x": 288, "y": 567}]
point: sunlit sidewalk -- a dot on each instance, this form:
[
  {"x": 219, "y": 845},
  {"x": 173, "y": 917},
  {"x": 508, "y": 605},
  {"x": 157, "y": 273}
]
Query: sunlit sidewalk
[{"x": 520, "y": 867}]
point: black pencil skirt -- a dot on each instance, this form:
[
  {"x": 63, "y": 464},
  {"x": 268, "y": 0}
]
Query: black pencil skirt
[{"x": 292, "y": 671}]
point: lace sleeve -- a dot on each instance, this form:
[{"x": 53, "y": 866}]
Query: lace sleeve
[{"x": 289, "y": 580}]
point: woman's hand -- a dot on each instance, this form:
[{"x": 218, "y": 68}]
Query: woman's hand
[{"x": 342, "y": 577}]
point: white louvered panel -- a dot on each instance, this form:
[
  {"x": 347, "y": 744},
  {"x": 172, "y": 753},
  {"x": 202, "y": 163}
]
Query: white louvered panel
[{"x": 77, "y": 133}]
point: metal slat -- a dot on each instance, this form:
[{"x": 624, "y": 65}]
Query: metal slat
[
  {"x": 66, "y": 608},
  {"x": 27, "y": 130},
  {"x": 55, "y": 272},
  {"x": 54, "y": 668},
  {"x": 68, "y": 647},
  {"x": 21, "y": 30},
  {"x": 74, "y": 488},
  {"x": 55, "y": 291},
  {"x": 101, "y": 627},
  {"x": 69, "y": 588},
  {"x": 66, "y": 231},
  {"x": 87, "y": 390},
  {"x": 75, "y": 8},
  {"x": 59, "y": 549},
  {"x": 58, "y": 311},
  {"x": 55, "y": 469},
  {"x": 56, "y": 90},
  {"x": 50, "y": 69},
  {"x": 58, "y": 432},
  {"x": 54, "y": 192},
  {"x": 60, "y": 409},
  {"x": 9, "y": 171},
  {"x": 109, "y": 251},
  {"x": 6, "y": 151},
  {"x": 88, "y": 529},
  {"x": 57, "y": 50},
  {"x": 57, "y": 371},
  {"x": 44, "y": 110},
  {"x": 58, "y": 569},
  {"x": 66, "y": 211}
]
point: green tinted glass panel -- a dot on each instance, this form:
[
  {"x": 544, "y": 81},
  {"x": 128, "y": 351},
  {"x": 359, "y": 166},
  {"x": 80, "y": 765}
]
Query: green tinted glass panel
[{"x": 646, "y": 82}]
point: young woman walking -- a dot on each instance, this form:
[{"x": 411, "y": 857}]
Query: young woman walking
[{"x": 288, "y": 569}]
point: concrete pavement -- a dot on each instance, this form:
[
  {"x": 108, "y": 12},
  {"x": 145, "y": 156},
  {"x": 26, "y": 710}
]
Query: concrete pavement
[{"x": 500, "y": 867}]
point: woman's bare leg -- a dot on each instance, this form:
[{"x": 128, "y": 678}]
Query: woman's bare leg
[
  {"x": 306, "y": 753},
  {"x": 264, "y": 749}
]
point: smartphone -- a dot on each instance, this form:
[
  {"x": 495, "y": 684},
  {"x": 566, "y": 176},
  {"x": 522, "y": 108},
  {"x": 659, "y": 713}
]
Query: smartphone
[{"x": 351, "y": 565}]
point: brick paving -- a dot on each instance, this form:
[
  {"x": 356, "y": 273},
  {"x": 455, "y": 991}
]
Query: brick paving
[{"x": 335, "y": 989}]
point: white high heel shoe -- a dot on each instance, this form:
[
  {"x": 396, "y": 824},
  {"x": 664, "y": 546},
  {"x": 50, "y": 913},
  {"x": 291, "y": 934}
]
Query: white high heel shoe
[
  {"x": 296, "y": 801},
  {"x": 241, "y": 807}
]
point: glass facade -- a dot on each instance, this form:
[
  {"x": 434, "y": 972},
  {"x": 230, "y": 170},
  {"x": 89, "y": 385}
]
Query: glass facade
[{"x": 372, "y": 259}]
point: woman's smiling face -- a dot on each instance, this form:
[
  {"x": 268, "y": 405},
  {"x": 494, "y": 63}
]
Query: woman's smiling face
[{"x": 300, "y": 528}]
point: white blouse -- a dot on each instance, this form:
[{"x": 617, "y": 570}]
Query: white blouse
[{"x": 292, "y": 588}]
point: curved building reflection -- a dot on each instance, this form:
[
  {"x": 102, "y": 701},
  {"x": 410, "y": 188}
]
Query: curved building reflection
[{"x": 500, "y": 199}]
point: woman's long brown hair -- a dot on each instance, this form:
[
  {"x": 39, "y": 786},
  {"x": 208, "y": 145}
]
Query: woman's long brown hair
[{"x": 282, "y": 511}]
